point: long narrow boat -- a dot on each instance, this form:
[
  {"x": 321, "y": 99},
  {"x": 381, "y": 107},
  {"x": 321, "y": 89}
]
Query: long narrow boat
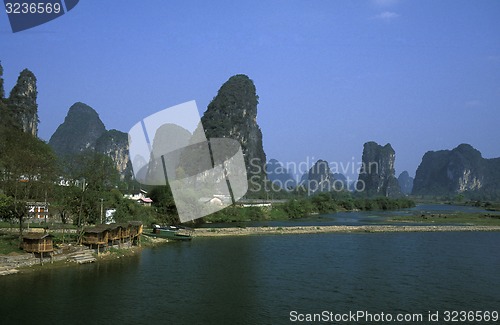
[{"x": 170, "y": 232}]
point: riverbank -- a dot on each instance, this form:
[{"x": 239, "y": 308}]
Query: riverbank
[
  {"x": 27, "y": 263},
  {"x": 220, "y": 232},
  {"x": 71, "y": 255}
]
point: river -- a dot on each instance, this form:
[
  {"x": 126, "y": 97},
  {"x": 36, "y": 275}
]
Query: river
[{"x": 262, "y": 279}]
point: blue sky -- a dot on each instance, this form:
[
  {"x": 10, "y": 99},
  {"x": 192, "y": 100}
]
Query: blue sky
[{"x": 331, "y": 75}]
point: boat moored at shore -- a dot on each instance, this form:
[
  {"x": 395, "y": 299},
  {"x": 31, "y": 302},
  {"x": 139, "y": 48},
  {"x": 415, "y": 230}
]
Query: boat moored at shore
[{"x": 171, "y": 232}]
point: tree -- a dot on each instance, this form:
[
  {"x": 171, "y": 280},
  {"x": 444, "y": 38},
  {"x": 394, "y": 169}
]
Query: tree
[
  {"x": 11, "y": 210},
  {"x": 97, "y": 169},
  {"x": 128, "y": 210},
  {"x": 28, "y": 165},
  {"x": 163, "y": 201},
  {"x": 28, "y": 169},
  {"x": 66, "y": 202},
  {"x": 96, "y": 175},
  {"x": 298, "y": 208},
  {"x": 459, "y": 198},
  {"x": 323, "y": 203},
  {"x": 7, "y": 208}
]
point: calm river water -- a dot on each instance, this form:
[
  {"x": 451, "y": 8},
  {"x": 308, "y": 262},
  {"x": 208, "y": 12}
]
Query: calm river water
[{"x": 261, "y": 279}]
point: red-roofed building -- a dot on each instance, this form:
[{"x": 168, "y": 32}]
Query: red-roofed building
[
  {"x": 140, "y": 198},
  {"x": 145, "y": 201}
]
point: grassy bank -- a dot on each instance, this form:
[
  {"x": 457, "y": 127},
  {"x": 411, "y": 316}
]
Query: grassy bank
[{"x": 9, "y": 243}]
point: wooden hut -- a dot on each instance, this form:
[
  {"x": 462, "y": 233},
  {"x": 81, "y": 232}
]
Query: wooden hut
[
  {"x": 35, "y": 242},
  {"x": 96, "y": 236},
  {"x": 115, "y": 234},
  {"x": 38, "y": 243},
  {"x": 125, "y": 232},
  {"x": 112, "y": 234},
  {"x": 136, "y": 228}
]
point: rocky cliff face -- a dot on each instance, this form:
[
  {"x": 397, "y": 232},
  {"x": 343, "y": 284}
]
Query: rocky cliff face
[
  {"x": 405, "y": 183},
  {"x": 79, "y": 131},
  {"x": 491, "y": 188},
  {"x": 22, "y": 105},
  {"x": 279, "y": 175},
  {"x": 233, "y": 114},
  {"x": 321, "y": 179},
  {"x": 82, "y": 130},
  {"x": 114, "y": 143},
  {"x": 462, "y": 169},
  {"x": 377, "y": 173}
]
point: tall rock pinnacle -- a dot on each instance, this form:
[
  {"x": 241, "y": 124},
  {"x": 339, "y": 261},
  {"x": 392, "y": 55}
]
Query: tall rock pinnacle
[
  {"x": 233, "y": 114},
  {"x": 22, "y": 103},
  {"x": 377, "y": 174}
]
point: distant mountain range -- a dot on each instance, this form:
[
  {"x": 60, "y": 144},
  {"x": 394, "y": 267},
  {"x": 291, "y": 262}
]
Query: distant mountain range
[
  {"x": 232, "y": 114},
  {"x": 462, "y": 170},
  {"x": 444, "y": 172}
]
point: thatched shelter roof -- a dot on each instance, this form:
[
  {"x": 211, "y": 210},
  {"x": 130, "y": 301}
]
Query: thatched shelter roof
[
  {"x": 97, "y": 229},
  {"x": 36, "y": 235},
  {"x": 112, "y": 226}
]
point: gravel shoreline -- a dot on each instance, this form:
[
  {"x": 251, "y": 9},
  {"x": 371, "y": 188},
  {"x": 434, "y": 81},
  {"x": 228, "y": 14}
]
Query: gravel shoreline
[{"x": 220, "y": 232}]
